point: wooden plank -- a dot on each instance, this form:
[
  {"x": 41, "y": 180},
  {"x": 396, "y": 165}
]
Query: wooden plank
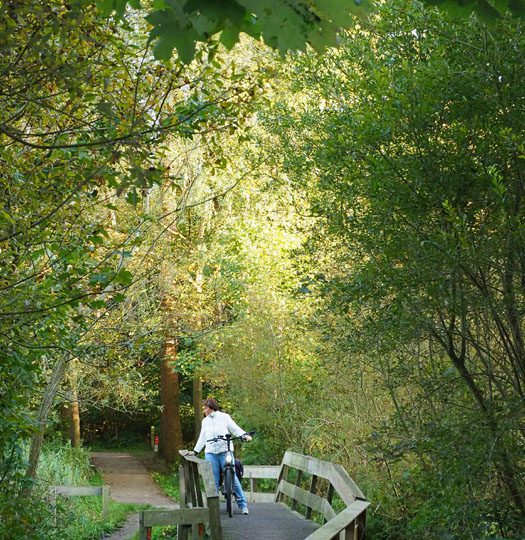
[
  {"x": 334, "y": 473},
  {"x": 182, "y": 486},
  {"x": 341, "y": 472},
  {"x": 262, "y": 471},
  {"x": 142, "y": 529},
  {"x": 165, "y": 518},
  {"x": 190, "y": 485},
  {"x": 267, "y": 521},
  {"x": 308, "y": 464},
  {"x": 340, "y": 522},
  {"x": 360, "y": 527},
  {"x": 206, "y": 472},
  {"x": 319, "y": 504},
  {"x": 198, "y": 492},
  {"x": 182, "y": 532},
  {"x": 77, "y": 491},
  {"x": 260, "y": 497}
]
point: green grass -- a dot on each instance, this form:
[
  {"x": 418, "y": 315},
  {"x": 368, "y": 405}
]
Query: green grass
[
  {"x": 168, "y": 483},
  {"x": 78, "y": 518}
]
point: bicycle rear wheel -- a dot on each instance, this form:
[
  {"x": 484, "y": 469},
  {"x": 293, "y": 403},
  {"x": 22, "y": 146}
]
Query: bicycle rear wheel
[{"x": 228, "y": 490}]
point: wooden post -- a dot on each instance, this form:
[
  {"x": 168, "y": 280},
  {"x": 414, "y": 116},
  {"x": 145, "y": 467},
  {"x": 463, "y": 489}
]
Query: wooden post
[
  {"x": 143, "y": 535},
  {"x": 105, "y": 503},
  {"x": 198, "y": 492},
  {"x": 182, "y": 485},
  {"x": 298, "y": 484},
  {"x": 361, "y": 526},
  {"x": 282, "y": 476},
  {"x": 350, "y": 533},
  {"x": 182, "y": 530},
  {"x": 215, "y": 518},
  {"x": 329, "y": 496},
  {"x": 313, "y": 487}
]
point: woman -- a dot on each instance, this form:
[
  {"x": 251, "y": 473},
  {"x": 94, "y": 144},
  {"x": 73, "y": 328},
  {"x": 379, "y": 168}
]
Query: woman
[{"x": 217, "y": 423}]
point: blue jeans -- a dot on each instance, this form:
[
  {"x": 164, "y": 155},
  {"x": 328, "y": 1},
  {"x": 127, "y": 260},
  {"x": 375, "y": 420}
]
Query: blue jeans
[{"x": 217, "y": 462}]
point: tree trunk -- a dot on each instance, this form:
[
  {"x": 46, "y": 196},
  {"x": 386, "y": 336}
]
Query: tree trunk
[
  {"x": 74, "y": 412},
  {"x": 170, "y": 425},
  {"x": 42, "y": 415}
]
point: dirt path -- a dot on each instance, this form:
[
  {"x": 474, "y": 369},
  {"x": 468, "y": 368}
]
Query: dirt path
[{"x": 131, "y": 482}]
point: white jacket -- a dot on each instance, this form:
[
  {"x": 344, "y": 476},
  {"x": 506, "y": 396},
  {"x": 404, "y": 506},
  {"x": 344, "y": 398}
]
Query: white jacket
[{"x": 216, "y": 423}]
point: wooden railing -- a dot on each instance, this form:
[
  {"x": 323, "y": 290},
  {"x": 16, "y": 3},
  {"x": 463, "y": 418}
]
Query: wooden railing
[
  {"x": 82, "y": 491},
  {"x": 199, "y": 504},
  {"x": 323, "y": 480},
  {"x": 253, "y": 473},
  {"x": 315, "y": 484}
]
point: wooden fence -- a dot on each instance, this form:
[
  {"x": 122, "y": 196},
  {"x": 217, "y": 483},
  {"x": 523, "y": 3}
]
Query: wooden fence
[
  {"x": 199, "y": 504},
  {"x": 323, "y": 480},
  {"x": 254, "y": 473},
  {"x": 82, "y": 491},
  {"x": 304, "y": 483}
]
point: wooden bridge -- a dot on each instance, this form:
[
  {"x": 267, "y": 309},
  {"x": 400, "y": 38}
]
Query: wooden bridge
[{"x": 314, "y": 500}]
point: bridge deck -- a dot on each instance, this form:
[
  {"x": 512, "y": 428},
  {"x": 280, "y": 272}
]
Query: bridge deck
[{"x": 266, "y": 521}]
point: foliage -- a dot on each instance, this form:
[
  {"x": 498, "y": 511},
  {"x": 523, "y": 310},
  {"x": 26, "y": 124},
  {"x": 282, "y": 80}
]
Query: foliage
[
  {"x": 409, "y": 152},
  {"x": 86, "y": 118},
  {"x": 336, "y": 242},
  {"x": 285, "y": 26},
  {"x": 77, "y": 518}
]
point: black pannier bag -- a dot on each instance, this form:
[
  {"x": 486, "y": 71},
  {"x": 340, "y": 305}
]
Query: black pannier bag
[{"x": 239, "y": 469}]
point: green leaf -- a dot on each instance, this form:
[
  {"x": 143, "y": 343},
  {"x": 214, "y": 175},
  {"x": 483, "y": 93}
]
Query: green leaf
[
  {"x": 105, "y": 7},
  {"x": 132, "y": 197},
  {"x": 171, "y": 38},
  {"x": 101, "y": 278},
  {"x": 517, "y": 7},
  {"x": 124, "y": 277},
  {"x": 229, "y": 36},
  {"x": 120, "y": 7},
  {"x": 341, "y": 12},
  {"x": 97, "y": 304}
]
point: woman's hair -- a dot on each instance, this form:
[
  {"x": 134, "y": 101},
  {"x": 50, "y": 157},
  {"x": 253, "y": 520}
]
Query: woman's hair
[{"x": 212, "y": 404}]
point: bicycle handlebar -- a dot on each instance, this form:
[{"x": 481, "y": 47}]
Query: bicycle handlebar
[{"x": 228, "y": 437}]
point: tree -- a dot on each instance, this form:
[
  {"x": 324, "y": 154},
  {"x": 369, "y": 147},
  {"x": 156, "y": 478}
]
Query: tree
[
  {"x": 409, "y": 150},
  {"x": 85, "y": 112}
]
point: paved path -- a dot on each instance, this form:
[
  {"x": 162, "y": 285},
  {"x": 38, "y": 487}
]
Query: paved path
[
  {"x": 266, "y": 521},
  {"x": 130, "y": 482}
]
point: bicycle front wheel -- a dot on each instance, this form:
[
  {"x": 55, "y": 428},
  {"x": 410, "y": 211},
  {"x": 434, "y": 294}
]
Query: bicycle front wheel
[{"x": 228, "y": 490}]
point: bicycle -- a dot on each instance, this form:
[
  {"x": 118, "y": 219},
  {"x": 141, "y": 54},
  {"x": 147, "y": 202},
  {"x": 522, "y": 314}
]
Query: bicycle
[{"x": 228, "y": 472}]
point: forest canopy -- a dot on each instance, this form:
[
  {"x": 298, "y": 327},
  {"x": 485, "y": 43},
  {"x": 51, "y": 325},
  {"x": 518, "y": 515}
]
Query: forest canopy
[{"x": 312, "y": 211}]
